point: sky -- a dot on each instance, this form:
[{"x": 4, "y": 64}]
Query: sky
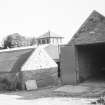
[{"x": 32, "y": 18}]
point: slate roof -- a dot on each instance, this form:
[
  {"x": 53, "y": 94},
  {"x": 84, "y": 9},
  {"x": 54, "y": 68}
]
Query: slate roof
[
  {"x": 11, "y": 60},
  {"x": 92, "y": 30},
  {"x": 39, "y": 60},
  {"x": 28, "y": 58}
]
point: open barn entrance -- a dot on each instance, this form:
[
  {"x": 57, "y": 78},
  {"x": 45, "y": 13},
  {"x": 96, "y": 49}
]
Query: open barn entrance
[{"x": 91, "y": 61}]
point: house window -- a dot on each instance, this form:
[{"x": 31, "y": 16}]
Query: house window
[
  {"x": 39, "y": 42},
  {"x": 43, "y": 42},
  {"x": 48, "y": 41}
]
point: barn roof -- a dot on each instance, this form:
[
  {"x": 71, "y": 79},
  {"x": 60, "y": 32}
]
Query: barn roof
[
  {"x": 27, "y": 58},
  {"x": 91, "y": 31},
  {"x": 38, "y": 60},
  {"x": 52, "y": 50},
  {"x": 12, "y": 59}
]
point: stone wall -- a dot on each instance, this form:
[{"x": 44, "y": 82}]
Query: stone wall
[
  {"x": 8, "y": 81},
  {"x": 43, "y": 78}
]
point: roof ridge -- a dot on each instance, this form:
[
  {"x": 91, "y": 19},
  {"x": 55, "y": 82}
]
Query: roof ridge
[
  {"x": 89, "y": 24},
  {"x": 18, "y": 48},
  {"x": 96, "y": 12}
]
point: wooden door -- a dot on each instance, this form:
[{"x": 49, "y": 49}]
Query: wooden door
[{"x": 68, "y": 72}]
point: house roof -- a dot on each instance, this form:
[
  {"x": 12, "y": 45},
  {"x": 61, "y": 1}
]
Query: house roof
[
  {"x": 11, "y": 60},
  {"x": 92, "y": 30},
  {"x": 49, "y": 34}
]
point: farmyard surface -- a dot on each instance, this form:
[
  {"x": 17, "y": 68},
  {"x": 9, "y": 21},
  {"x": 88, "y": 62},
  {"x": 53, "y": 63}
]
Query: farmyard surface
[{"x": 57, "y": 95}]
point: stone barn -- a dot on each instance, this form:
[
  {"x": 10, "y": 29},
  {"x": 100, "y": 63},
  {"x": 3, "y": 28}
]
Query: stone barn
[
  {"x": 11, "y": 61},
  {"x": 39, "y": 70},
  {"x": 84, "y": 56},
  {"x": 26, "y": 68}
]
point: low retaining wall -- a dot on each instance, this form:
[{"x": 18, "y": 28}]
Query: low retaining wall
[{"x": 43, "y": 77}]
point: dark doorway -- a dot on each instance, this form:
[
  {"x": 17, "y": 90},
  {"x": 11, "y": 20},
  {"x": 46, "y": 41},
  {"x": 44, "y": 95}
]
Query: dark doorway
[
  {"x": 91, "y": 61},
  {"x": 58, "y": 63}
]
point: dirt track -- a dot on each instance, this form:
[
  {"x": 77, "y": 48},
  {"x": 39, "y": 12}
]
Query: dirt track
[
  {"x": 39, "y": 98},
  {"x": 13, "y": 100},
  {"x": 82, "y": 94}
]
